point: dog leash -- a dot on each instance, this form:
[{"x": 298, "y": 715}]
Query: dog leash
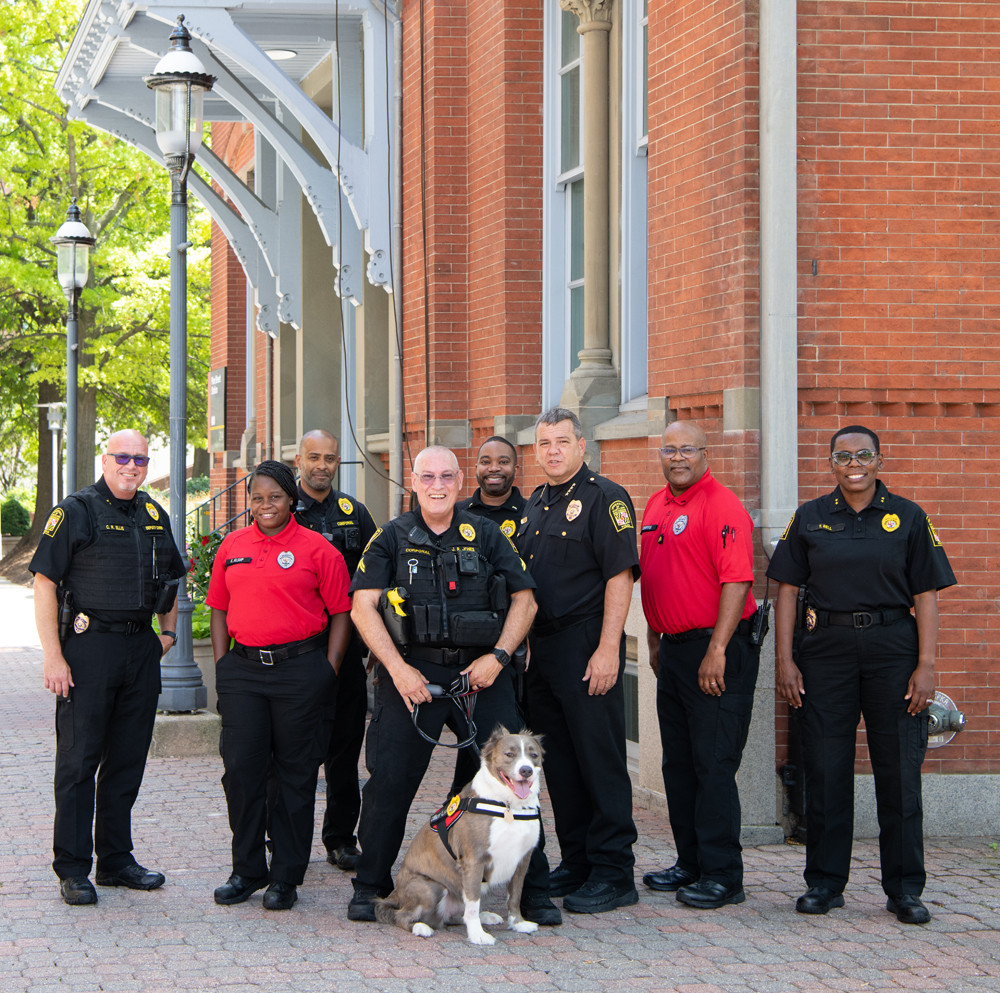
[
  {"x": 444, "y": 817},
  {"x": 464, "y": 697}
]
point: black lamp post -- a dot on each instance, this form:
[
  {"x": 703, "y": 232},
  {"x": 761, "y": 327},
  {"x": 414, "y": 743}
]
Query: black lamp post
[
  {"x": 73, "y": 243},
  {"x": 180, "y": 83}
]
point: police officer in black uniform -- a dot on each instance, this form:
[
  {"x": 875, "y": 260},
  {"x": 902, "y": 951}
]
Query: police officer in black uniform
[
  {"x": 102, "y": 568},
  {"x": 458, "y": 574},
  {"x": 496, "y": 496},
  {"x": 578, "y": 539},
  {"x": 348, "y": 526},
  {"x": 864, "y": 557}
]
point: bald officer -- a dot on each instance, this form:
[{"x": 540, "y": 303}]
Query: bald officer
[{"x": 105, "y": 560}]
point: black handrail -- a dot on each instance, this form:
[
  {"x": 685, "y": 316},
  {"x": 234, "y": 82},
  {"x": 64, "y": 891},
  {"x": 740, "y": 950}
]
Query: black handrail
[{"x": 214, "y": 507}]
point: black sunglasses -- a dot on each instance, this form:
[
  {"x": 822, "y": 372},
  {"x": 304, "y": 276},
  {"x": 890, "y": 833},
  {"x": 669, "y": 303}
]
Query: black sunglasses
[{"x": 139, "y": 460}]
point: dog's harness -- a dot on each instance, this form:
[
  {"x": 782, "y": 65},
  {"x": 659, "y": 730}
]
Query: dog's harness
[{"x": 443, "y": 819}]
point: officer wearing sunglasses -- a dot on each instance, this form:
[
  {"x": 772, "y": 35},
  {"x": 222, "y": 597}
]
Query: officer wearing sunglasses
[
  {"x": 862, "y": 558},
  {"x": 102, "y": 569}
]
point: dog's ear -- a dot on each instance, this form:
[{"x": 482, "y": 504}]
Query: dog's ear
[
  {"x": 499, "y": 732},
  {"x": 537, "y": 738}
]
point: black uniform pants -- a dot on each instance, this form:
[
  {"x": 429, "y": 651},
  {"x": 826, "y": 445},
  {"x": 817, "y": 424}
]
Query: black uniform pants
[
  {"x": 345, "y": 734},
  {"x": 272, "y": 714},
  {"x": 586, "y": 769},
  {"x": 862, "y": 681},
  {"x": 104, "y": 728},
  {"x": 702, "y": 737},
  {"x": 397, "y": 758}
]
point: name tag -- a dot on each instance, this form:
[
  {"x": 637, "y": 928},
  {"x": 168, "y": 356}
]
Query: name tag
[
  {"x": 114, "y": 527},
  {"x": 239, "y": 561}
]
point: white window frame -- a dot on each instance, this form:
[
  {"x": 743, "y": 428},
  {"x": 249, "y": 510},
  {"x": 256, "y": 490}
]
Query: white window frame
[
  {"x": 556, "y": 212},
  {"x": 634, "y": 217}
]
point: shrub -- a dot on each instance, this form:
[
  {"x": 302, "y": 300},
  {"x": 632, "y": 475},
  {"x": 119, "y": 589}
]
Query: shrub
[{"x": 14, "y": 519}]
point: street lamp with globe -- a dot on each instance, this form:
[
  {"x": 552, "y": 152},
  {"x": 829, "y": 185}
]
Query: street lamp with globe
[{"x": 180, "y": 84}]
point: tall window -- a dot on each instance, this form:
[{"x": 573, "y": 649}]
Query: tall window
[{"x": 571, "y": 177}]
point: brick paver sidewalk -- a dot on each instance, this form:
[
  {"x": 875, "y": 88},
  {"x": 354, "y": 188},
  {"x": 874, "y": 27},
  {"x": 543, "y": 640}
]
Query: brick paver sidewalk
[{"x": 176, "y": 938}]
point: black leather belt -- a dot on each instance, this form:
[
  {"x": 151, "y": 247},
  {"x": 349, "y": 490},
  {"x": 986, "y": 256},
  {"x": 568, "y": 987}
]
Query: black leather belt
[
  {"x": 695, "y": 633},
  {"x": 117, "y": 627},
  {"x": 279, "y": 653},
  {"x": 452, "y": 658},
  {"x": 860, "y": 618}
]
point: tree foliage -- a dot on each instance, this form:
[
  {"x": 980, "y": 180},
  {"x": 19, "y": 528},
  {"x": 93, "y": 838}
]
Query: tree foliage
[{"x": 45, "y": 159}]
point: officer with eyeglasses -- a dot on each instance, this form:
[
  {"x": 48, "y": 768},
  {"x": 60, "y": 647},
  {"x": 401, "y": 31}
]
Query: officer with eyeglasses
[
  {"x": 439, "y": 593},
  {"x": 106, "y": 562},
  {"x": 851, "y": 567},
  {"x": 697, "y": 568}
]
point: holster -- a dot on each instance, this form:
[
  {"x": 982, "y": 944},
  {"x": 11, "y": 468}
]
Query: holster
[
  {"x": 65, "y": 616},
  {"x": 398, "y": 627},
  {"x": 166, "y": 594}
]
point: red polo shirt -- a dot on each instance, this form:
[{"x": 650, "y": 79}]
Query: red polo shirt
[
  {"x": 685, "y": 556},
  {"x": 277, "y": 588}
]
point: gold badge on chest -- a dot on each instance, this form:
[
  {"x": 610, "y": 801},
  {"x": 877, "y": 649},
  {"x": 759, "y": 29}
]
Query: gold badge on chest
[{"x": 573, "y": 510}]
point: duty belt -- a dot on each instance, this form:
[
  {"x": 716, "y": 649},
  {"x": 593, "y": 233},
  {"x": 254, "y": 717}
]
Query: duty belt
[
  {"x": 279, "y": 653},
  {"x": 695, "y": 633},
  {"x": 451, "y": 658},
  {"x": 860, "y": 618},
  {"x": 113, "y": 627}
]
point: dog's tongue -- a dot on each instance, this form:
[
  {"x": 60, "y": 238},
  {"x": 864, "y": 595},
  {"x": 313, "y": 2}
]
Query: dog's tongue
[{"x": 522, "y": 788}]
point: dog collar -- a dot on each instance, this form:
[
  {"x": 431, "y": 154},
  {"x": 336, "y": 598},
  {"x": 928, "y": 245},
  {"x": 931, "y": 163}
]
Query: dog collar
[{"x": 444, "y": 817}]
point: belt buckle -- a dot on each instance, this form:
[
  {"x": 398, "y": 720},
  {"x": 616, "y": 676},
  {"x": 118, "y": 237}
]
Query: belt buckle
[
  {"x": 451, "y": 656},
  {"x": 270, "y": 657},
  {"x": 859, "y": 616}
]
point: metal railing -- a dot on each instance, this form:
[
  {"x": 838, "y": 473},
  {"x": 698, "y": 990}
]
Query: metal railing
[{"x": 228, "y": 510}]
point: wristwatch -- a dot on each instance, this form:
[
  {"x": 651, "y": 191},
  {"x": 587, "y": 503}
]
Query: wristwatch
[
  {"x": 170, "y": 634},
  {"x": 502, "y": 657}
]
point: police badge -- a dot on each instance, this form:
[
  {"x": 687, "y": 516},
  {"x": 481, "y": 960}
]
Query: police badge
[
  {"x": 286, "y": 560},
  {"x": 680, "y": 524},
  {"x": 508, "y": 528},
  {"x": 80, "y": 623},
  {"x": 810, "y": 619},
  {"x": 346, "y": 506},
  {"x": 152, "y": 511},
  {"x": 467, "y": 531},
  {"x": 574, "y": 510}
]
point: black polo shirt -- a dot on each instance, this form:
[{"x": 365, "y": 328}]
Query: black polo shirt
[
  {"x": 574, "y": 538},
  {"x": 506, "y": 516},
  {"x": 880, "y": 557},
  {"x": 60, "y": 543}
]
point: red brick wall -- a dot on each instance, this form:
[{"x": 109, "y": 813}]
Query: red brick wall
[{"x": 898, "y": 145}]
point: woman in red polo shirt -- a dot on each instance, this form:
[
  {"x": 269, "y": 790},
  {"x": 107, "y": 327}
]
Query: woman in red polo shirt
[{"x": 280, "y": 592}]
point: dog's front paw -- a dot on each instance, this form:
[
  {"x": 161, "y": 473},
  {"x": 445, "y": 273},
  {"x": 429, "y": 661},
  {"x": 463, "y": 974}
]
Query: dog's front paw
[
  {"x": 488, "y": 918},
  {"x": 523, "y": 927},
  {"x": 482, "y": 939},
  {"x": 421, "y": 930}
]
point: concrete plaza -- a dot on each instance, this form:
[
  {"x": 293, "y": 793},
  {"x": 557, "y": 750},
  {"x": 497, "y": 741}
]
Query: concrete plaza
[{"x": 176, "y": 938}]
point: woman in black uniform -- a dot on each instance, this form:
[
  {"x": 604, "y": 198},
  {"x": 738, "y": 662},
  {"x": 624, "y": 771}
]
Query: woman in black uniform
[
  {"x": 866, "y": 557},
  {"x": 279, "y": 590}
]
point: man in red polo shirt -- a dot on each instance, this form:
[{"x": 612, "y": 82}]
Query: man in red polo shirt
[{"x": 697, "y": 568}]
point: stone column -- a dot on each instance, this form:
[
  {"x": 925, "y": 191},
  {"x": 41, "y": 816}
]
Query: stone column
[{"x": 593, "y": 390}]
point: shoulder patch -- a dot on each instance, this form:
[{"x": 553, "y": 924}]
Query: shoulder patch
[
  {"x": 934, "y": 538},
  {"x": 378, "y": 531},
  {"x": 620, "y": 516},
  {"x": 58, "y": 516},
  {"x": 788, "y": 527}
]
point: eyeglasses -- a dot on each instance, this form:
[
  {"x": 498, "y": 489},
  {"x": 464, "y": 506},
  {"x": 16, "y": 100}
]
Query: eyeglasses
[
  {"x": 865, "y": 457},
  {"x": 688, "y": 452},
  {"x": 139, "y": 460},
  {"x": 428, "y": 478}
]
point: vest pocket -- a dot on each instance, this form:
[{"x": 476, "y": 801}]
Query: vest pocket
[{"x": 474, "y": 628}]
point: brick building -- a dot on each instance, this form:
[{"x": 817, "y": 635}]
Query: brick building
[{"x": 774, "y": 218}]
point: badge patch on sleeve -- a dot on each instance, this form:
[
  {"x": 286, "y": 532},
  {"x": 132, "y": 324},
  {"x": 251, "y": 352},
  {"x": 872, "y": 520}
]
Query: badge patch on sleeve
[
  {"x": 508, "y": 528},
  {"x": 934, "y": 538},
  {"x": 620, "y": 516},
  {"x": 345, "y": 505},
  {"x": 891, "y": 521},
  {"x": 152, "y": 511},
  {"x": 56, "y": 518}
]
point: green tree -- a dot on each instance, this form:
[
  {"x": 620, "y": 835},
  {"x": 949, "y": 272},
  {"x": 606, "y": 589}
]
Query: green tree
[{"x": 45, "y": 159}]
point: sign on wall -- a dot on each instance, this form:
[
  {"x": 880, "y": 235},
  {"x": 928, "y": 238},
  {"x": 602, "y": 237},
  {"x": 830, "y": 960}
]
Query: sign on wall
[{"x": 217, "y": 410}]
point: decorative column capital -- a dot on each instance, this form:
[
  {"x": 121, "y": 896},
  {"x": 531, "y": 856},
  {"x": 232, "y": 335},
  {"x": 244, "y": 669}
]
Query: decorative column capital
[{"x": 593, "y": 14}]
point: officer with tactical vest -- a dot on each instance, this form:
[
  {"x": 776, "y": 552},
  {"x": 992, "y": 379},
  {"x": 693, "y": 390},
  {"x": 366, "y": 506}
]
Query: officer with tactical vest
[
  {"x": 105, "y": 564},
  {"x": 439, "y": 592},
  {"x": 347, "y": 525}
]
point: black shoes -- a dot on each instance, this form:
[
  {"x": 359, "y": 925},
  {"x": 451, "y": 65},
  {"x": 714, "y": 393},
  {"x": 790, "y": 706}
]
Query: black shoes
[
  {"x": 135, "y": 877},
  {"x": 77, "y": 891},
  {"x": 362, "y": 905},
  {"x": 564, "y": 880},
  {"x": 237, "y": 889},
  {"x": 537, "y": 907},
  {"x": 280, "y": 896},
  {"x": 706, "y": 894},
  {"x": 818, "y": 900},
  {"x": 669, "y": 880},
  {"x": 345, "y": 857},
  {"x": 596, "y": 897},
  {"x": 908, "y": 909}
]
